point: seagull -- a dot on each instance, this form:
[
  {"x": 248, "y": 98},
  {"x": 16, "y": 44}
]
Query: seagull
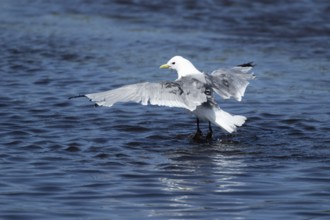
[{"x": 192, "y": 90}]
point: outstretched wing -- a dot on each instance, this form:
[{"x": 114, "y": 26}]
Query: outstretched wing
[
  {"x": 231, "y": 82},
  {"x": 181, "y": 93}
]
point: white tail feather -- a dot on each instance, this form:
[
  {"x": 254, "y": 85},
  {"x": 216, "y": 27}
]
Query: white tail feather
[
  {"x": 227, "y": 121},
  {"x": 220, "y": 118}
]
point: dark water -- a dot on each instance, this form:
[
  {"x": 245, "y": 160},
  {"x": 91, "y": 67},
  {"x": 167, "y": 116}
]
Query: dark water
[{"x": 65, "y": 159}]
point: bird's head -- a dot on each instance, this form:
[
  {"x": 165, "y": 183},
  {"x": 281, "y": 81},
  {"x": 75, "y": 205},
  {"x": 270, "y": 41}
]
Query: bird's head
[{"x": 182, "y": 66}]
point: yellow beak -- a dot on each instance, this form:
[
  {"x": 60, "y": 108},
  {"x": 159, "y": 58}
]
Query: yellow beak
[{"x": 164, "y": 66}]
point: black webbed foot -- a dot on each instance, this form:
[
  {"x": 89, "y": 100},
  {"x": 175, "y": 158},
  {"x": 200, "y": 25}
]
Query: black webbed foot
[
  {"x": 198, "y": 135},
  {"x": 209, "y": 135}
]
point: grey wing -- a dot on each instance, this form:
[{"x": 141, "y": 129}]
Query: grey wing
[
  {"x": 231, "y": 82},
  {"x": 163, "y": 94}
]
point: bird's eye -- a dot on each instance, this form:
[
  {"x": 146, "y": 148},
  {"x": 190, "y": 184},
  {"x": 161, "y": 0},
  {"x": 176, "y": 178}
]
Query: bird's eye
[{"x": 173, "y": 63}]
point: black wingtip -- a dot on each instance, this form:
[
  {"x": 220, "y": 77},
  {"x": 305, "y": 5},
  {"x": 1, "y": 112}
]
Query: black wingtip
[
  {"x": 76, "y": 96},
  {"x": 249, "y": 64}
]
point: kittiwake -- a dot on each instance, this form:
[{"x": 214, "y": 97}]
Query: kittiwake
[{"x": 192, "y": 90}]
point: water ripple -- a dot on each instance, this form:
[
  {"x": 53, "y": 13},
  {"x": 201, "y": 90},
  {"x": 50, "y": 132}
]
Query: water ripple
[{"x": 64, "y": 158}]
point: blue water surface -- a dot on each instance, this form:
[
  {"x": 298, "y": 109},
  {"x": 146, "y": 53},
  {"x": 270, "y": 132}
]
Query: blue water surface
[{"x": 66, "y": 159}]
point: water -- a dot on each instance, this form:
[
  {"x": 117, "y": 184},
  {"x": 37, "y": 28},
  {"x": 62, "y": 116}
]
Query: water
[{"x": 65, "y": 159}]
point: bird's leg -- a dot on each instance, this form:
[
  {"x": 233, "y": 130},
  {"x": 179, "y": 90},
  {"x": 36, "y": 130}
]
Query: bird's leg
[
  {"x": 209, "y": 134},
  {"x": 198, "y": 134}
]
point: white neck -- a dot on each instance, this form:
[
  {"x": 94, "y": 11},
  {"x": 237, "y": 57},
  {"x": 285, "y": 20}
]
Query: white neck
[{"x": 186, "y": 69}]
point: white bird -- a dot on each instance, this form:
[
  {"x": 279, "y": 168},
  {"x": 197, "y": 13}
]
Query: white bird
[{"x": 192, "y": 90}]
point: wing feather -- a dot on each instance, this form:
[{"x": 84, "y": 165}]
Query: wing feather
[
  {"x": 230, "y": 82},
  {"x": 180, "y": 94}
]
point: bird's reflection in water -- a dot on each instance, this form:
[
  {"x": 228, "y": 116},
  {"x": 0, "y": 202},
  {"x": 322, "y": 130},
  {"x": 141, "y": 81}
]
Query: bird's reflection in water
[{"x": 203, "y": 171}]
